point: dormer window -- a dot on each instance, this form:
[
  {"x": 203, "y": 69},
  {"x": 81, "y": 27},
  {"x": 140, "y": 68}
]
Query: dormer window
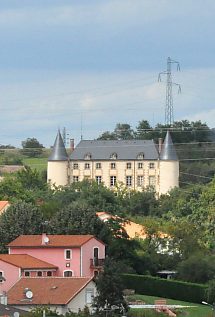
[
  {"x": 88, "y": 156},
  {"x": 140, "y": 156},
  {"x": 113, "y": 156}
]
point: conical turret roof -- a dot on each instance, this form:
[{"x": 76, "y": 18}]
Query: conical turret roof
[
  {"x": 168, "y": 151},
  {"x": 59, "y": 150}
]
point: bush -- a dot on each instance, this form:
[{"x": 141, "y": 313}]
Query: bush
[{"x": 155, "y": 286}]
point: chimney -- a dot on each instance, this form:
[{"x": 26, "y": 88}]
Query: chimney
[
  {"x": 72, "y": 145},
  {"x": 45, "y": 239},
  {"x": 3, "y": 298},
  {"x": 160, "y": 143}
]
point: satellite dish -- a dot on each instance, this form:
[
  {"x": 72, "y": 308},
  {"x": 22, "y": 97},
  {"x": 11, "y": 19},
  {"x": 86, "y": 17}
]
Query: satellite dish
[
  {"x": 46, "y": 239},
  {"x": 29, "y": 294}
]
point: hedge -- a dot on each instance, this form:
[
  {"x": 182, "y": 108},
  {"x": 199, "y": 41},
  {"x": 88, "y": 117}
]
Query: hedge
[{"x": 155, "y": 286}]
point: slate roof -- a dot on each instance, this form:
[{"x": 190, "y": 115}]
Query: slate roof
[
  {"x": 58, "y": 152},
  {"x": 168, "y": 151},
  {"x": 25, "y": 261},
  {"x": 47, "y": 290},
  {"x": 54, "y": 241},
  {"x": 125, "y": 149}
]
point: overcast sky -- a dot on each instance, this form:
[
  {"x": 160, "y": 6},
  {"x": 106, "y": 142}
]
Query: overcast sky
[{"x": 89, "y": 64}]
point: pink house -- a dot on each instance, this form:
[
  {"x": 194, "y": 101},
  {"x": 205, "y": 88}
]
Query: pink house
[
  {"x": 15, "y": 266},
  {"x": 73, "y": 255}
]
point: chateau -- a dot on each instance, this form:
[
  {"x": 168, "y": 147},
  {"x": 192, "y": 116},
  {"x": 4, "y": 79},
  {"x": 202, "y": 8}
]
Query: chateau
[{"x": 137, "y": 164}]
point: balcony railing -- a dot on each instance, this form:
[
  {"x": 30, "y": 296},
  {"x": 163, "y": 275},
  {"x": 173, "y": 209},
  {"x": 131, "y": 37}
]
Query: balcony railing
[{"x": 96, "y": 263}]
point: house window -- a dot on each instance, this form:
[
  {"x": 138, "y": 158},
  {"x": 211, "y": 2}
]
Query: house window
[
  {"x": 113, "y": 156},
  {"x": 128, "y": 180},
  {"x": 87, "y": 156},
  {"x": 140, "y": 165},
  {"x": 49, "y": 273},
  {"x": 75, "y": 179},
  {"x": 75, "y": 166},
  {"x": 140, "y": 156},
  {"x": 128, "y": 165},
  {"x": 98, "y": 165},
  {"x": 89, "y": 295},
  {"x": 112, "y": 165},
  {"x": 152, "y": 181},
  {"x": 151, "y": 165},
  {"x": 140, "y": 180},
  {"x": 27, "y": 273},
  {"x": 112, "y": 180},
  {"x": 67, "y": 274},
  {"x": 39, "y": 273},
  {"x": 1, "y": 276},
  {"x": 98, "y": 179},
  {"x": 68, "y": 254},
  {"x": 87, "y": 166}
]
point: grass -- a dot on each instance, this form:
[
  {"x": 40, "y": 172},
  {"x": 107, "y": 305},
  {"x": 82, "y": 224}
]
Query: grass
[
  {"x": 38, "y": 163},
  {"x": 198, "y": 311}
]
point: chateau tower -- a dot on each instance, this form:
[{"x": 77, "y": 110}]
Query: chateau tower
[
  {"x": 169, "y": 166},
  {"x": 58, "y": 166}
]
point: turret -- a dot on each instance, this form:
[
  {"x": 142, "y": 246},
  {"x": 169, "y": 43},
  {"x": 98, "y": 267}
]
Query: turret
[
  {"x": 169, "y": 166},
  {"x": 58, "y": 166}
]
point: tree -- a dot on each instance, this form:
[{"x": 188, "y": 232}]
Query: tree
[
  {"x": 32, "y": 147},
  {"x": 20, "y": 218},
  {"x": 144, "y": 130},
  {"x": 123, "y": 131},
  {"x": 109, "y": 287},
  {"x": 107, "y": 135}
]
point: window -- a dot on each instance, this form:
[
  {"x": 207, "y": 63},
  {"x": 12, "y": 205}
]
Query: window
[
  {"x": 75, "y": 179},
  {"x": 98, "y": 165},
  {"x": 39, "y": 273},
  {"x": 67, "y": 274},
  {"x": 112, "y": 180},
  {"x": 140, "y": 181},
  {"x": 140, "y": 156},
  {"x": 151, "y": 165},
  {"x": 87, "y": 156},
  {"x": 113, "y": 156},
  {"x": 112, "y": 165},
  {"x": 87, "y": 166},
  {"x": 128, "y": 165},
  {"x": 75, "y": 166},
  {"x": 27, "y": 273},
  {"x": 89, "y": 295},
  {"x": 68, "y": 254},
  {"x": 152, "y": 181},
  {"x": 49, "y": 273},
  {"x": 98, "y": 179},
  {"x": 140, "y": 165},
  {"x": 1, "y": 277},
  {"x": 128, "y": 180}
]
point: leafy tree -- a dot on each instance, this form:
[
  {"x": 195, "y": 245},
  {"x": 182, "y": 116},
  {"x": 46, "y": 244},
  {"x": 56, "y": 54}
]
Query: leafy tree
[
  {"x": 210, "y": 293},
  {"x": 107, "y": 135},
  {"x": 32, "y": 147},
  {"x": 123, "y": 131},
  {"x": 30, "y": 178},
  {"x": 144, "y": 130},
  {"x": 20, "y": 218},
  {"x": 110, "y": 288}
]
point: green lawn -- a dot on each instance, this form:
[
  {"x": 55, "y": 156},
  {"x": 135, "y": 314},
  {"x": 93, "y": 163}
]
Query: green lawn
[
  {"x": 36, "y": 163},
  {"x": 199, "y": 311}
]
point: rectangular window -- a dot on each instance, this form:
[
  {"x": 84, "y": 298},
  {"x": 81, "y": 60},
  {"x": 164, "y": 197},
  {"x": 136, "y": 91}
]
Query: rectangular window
[
  {"x": 128, "y": 180},
  {"x": 140, "y": 165},
  {"x": 112, "y": 165},
  {"x": 128, "y": 165},
  {"x": 75, "y": 166},
  {"x": 140, "y": 181},
  {"x": 151, "y": 165},
  {"x": 152, "y": 181},
  {"x": 75, "y": 179},
  {"x": 112, "y": 180},
  {"x": 1, "y": 277},
  {"x": 87, "y": 166},
  {"x": 39, "y": 273},
  {"x": 98, "y": 179},
  {"x": 89, "y": 295},
  {"x": 27, "y": 273},
  {"x": 98, "y": 165},
  {"x": 68, "y": 254}
]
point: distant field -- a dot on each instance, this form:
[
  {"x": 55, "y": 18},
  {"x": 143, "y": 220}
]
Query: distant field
[
  {"x": 199, "y": 311},
  {"x": 39, "y": 164}
]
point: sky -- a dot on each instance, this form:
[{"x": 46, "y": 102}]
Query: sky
[{"x": 87, "y": 65}]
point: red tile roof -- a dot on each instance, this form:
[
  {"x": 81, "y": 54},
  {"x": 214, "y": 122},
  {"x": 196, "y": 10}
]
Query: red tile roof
[
  {"x": 54, "y": 241},
  {"x": 25, "y": 261},
  {"x": 47, "y": 290},
  {"x": 3, "y": 204}
]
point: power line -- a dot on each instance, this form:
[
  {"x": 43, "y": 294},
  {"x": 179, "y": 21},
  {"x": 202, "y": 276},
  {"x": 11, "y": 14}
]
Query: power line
[{"x": 196, "y": 175}]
